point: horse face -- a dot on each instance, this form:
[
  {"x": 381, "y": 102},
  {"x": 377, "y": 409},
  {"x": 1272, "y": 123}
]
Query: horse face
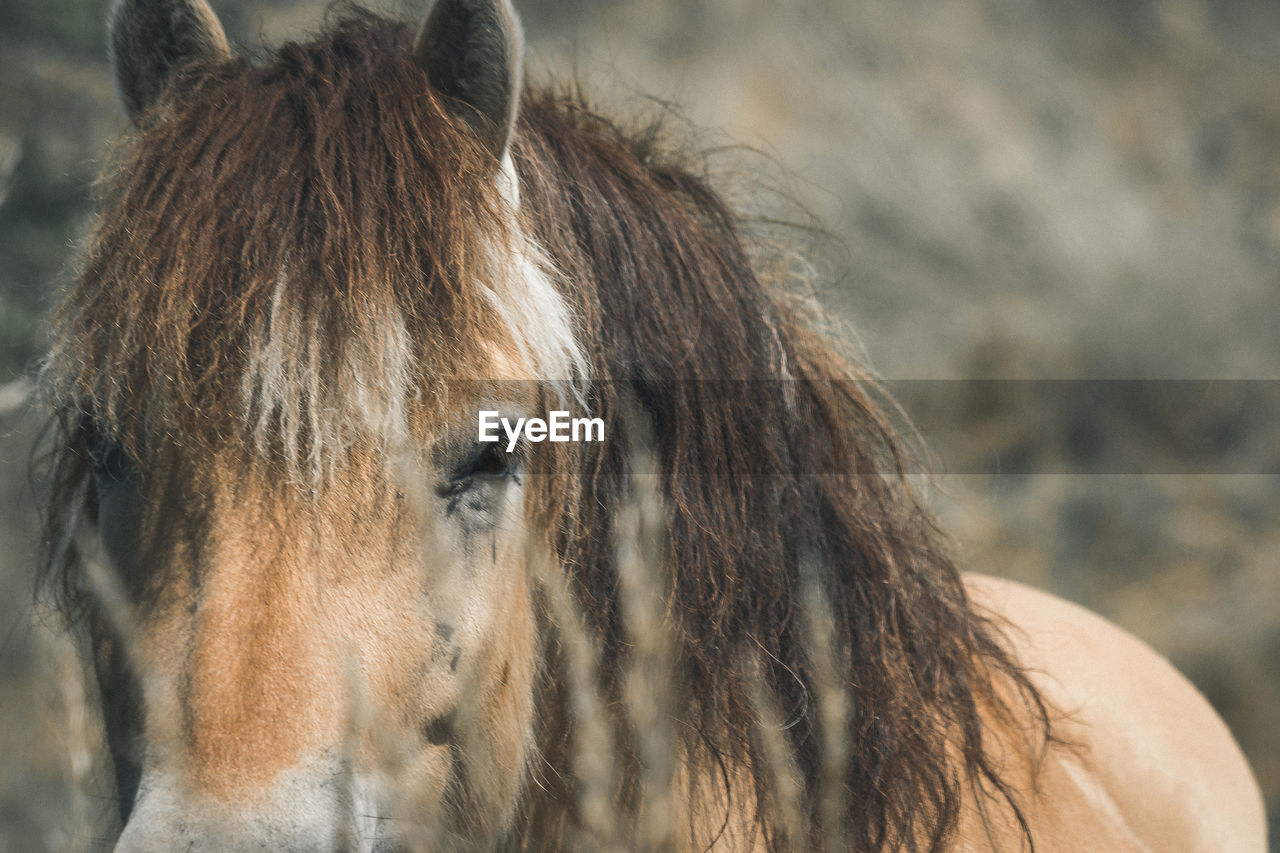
[
  {"x": 291, "y": 660},
  {"x": 313, "y": 668}
]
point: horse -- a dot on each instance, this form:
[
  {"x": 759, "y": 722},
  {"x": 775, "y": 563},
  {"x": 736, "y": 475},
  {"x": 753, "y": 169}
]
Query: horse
[{"x": 323, "y": 614}]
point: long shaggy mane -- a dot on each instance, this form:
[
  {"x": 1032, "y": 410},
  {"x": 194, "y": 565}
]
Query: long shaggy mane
[
  {"x": 781, "y": 476},
  {"x": 326, "y": 199}
]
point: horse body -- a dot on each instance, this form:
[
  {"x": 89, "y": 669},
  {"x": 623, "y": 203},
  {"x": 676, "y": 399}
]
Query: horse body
[
  {"x": 1153, "y": 767},
  {"x": 325, "y": 617}
]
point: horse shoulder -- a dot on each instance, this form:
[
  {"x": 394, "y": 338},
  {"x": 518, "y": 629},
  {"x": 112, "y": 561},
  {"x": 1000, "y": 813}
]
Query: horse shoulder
[{"x": 1147, "y": 765}]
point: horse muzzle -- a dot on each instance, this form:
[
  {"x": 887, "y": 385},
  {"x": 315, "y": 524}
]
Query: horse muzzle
[{"x": 305, "y": 812}]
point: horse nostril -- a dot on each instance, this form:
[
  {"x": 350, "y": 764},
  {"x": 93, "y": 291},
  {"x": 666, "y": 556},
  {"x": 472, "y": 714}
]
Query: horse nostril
[{"x": 439, "y": 731}]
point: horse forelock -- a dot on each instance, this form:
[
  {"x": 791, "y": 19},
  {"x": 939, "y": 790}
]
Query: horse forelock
[{"x": 302, "y": 252}]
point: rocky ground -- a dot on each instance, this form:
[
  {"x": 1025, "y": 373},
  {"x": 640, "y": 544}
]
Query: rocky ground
[{"x": 1015, "y": 190}]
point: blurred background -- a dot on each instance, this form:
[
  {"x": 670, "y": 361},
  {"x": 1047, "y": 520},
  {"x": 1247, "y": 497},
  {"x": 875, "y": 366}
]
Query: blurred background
[{"x": 1055, "y": 194}]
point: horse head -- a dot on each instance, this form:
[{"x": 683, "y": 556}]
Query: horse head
[{"x": 312, "y": 614}]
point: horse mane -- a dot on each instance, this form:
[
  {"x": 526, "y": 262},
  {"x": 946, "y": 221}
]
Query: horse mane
[
  {"x": 355, "y": 200},
  {"x": 780, "y": 474}
]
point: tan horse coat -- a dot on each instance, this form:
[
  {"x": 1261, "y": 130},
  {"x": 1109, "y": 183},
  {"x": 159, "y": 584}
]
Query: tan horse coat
[{"x": 1154, "y": 769}]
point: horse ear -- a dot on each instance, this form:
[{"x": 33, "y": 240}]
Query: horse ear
[
  {"x": 473, "y": 53},
  {"x": 152, "y": 38}
]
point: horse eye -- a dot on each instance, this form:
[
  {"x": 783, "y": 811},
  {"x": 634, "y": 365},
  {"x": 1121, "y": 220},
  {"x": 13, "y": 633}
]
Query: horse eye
[
  {"x": 487, "y": 459},
  {"x": 493, "y": 461}
]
